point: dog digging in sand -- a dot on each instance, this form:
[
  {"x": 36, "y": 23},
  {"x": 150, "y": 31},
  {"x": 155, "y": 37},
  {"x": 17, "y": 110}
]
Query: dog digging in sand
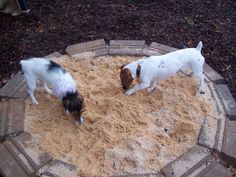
[
  {"x": 52, "y": 75},
  {"x": 150, "y": 70}
]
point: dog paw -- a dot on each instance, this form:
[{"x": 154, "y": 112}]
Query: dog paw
[
  {"x": 67, "y": 112},
  {"x": 79, "y": 122},
  {"x": 35, "y": 102},
  {"x": 129, "y": 93},
  {"x": 150, "y": 90}
]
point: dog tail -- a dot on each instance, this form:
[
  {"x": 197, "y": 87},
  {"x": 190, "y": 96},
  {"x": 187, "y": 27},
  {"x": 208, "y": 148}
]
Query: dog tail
[
  {"x": 22, "y": 63},
  {"x": 199, "y": 46}
]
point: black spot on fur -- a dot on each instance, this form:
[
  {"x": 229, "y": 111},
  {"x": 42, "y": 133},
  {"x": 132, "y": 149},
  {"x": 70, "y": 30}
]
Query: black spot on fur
[
  {"x": 138, "y": 71},
  {"x": 70, "y": 95},
  {"x": 54, "y": 66}
]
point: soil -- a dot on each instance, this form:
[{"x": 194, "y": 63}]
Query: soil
[
  {"x": 53, "y": 25},
  {"x": 120, "y": 134}
]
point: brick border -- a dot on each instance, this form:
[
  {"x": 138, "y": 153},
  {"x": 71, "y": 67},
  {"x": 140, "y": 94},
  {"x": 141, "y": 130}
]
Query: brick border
[
  {"x": 196, "y": 161},
  {"x": 90, "y": 49},
  {"x": 126, "y": 47}
]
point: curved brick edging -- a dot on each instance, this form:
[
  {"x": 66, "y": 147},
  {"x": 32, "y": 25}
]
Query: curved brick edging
[{"x": 198, "y": 161}]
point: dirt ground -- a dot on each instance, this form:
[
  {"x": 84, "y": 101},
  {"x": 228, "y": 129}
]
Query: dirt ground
[
  {"x": 121, "y": 134},
  {"x": 52, "y": 25}
]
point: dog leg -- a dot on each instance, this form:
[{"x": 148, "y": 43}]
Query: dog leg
[
  {"x": 200, "y": 77},
  {"x": 152, "y": 87},
  {"x": 138, "y": 87},
  {"x": 79, "y": 121},
  {"x": 31, "y": 89},
  {"x": 66, "y": 111},
  {"x": 197, "y": 69},
  {"x": 32, "y": 84},
  {"x": 45, "y": 87}
]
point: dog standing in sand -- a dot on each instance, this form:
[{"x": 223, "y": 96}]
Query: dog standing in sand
[
  {"x": 150, "y": 70},
  {"x": 52, "y": 75}
]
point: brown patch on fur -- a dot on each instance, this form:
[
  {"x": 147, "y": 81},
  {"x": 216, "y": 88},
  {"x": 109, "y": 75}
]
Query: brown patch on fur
[
  {"x": 121, "y": 67},
  {"x": 126, "y": 78}
]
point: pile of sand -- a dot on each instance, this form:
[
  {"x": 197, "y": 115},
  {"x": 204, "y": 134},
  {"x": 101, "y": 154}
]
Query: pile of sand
[{"x": 121, "y": 134}]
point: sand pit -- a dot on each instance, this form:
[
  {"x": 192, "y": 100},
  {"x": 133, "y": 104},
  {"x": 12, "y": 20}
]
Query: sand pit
[{"x": 121, "y": 134}]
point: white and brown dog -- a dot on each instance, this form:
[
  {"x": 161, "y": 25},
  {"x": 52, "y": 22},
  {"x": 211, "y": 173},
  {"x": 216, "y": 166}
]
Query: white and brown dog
[
  {"x": 52, "y": 75},
  {"x": 149, "y": 71}
]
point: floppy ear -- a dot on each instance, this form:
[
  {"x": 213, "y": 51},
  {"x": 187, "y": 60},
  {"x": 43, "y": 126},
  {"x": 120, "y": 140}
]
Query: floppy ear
[
  {"x": 81, "y": 101},
  {"x": 121, "y": 67},
  {"x": 199, "y": 46}
]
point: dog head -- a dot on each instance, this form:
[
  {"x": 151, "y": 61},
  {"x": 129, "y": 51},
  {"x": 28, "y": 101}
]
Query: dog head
[
  {"x": 74, "y": 103},
  {"x": 125, "y": 77}
]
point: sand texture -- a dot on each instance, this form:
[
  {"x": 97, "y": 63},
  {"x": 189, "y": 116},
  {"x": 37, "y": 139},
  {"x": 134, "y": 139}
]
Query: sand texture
[{"x": 121, "y": 134}]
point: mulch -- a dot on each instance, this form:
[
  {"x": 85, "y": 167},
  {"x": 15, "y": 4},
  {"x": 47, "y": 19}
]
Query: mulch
[{"x": 53, "y": 25}]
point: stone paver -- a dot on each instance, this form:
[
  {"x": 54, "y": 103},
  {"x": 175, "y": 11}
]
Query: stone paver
[
  {"x": 212, "y": 75},
  {"x": 10, "y": 165},
  {"x": 22, "y": 154},
  {"x": 214, "y": 95},
  {"x": 215, "y": 169},
  {"x": 160, "y": 48},
  {"x": 227, "y": 100},
  {"x": 126, "y": 47},
  {"x": 58, "y": 168},
  {"x": 11, "y": 117},
  {"x": 148, "y": 52},
  {"x": 208, "y": 132},
  {"x": 212, "y": 132},
  {"x": 53, "y": 56},
  {"x": 88, "y": 49},
  {"x": 36, "y": 157},
  {"x": 20, "y": 158},
  {"x": 15, "y": 87},
  {"x": 142, "y": 175},
  {"x": 229, "y": 142},
  {"x": 188, "y": 162},
  {"x": 219, "y": 134}
]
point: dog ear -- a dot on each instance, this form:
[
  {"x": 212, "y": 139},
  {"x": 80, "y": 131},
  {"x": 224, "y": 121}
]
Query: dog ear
[
  {"x": 199, "y": 46},
  {"x": 121, "y": 67},
  {"x": 81, "y": 99}
]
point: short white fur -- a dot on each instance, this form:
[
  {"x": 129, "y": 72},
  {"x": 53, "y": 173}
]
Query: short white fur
[
  {"x": 59, "y": 81},
  {"x": 157, "y": 68}
]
